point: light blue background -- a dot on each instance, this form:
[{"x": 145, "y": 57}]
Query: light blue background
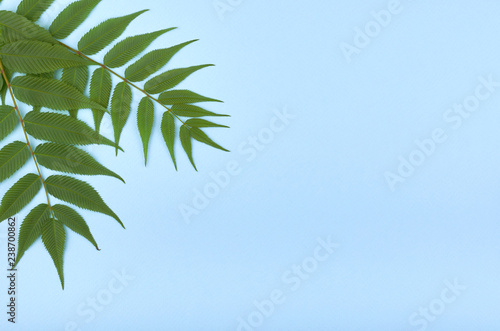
[{"x": 321, "y": 176}]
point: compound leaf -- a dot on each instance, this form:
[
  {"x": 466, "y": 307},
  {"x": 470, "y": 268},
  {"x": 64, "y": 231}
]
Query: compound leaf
[
  {"x": 12, "y": 157},
  {"x": 71, "y": 17},
  {"x": 105, "y": 33},
  {"x": 78, "y": 193},
  {"x": 70, "y": 159}
]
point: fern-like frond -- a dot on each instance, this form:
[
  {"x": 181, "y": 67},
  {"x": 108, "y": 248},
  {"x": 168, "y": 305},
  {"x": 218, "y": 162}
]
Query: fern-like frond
[
  {"x": 105, "y": 33},
  {"x": 56, "y": 77},
  {"x": 12, "y": 157}
]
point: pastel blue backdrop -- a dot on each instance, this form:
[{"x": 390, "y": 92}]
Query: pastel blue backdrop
[{"x": 334, "y": 209}]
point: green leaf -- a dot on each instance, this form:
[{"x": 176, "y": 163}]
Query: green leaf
[
  {"x": 35, "y": 57},
  {"x": 70, "y": 159},
  {"x": 76, "y": 77},
  {"x": 8, "y": 121},
  {"x": 62, "y": 129},
  {"x": 54, "y": 238},
  {"x": 183, "y": 110},
  {"x": 50, "y": 93},
  {"x": 45, "y": 74},
  {"x": 5, "y": 89},
  {"x": 19, "y": 195},
  {"x": 16, "y": 27},
  {"x": 145, "y": 119},
  {"x": 31, "y": 229},
  {"x": 100, "y": 92},
  {"x": 170, "y": 79},
  {"x": 120, "y": 108},
  {"x": 185, "y": 137},
  {"x": 71, "y": 17},
  {"x": 105, "y": 33},
  {"x": 168, "y": 132},
  {"x": 12, "y": 158},
  {"x": 78, "y": 193},
  {"x": 69, "y": 217},
  {"x": 201, "y": 123},
  {"x": 152, "y": 62},
  {"x": 175, "y": 97},
  {"x": 129, "y": 48},
  {"x": 201, "y": 136},
  {"x": 33, "y": 9}
]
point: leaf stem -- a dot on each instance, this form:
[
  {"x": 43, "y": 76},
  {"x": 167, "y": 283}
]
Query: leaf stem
[
  {"x": 122, "y": 78},
  {"x": 2, "y": 70}
]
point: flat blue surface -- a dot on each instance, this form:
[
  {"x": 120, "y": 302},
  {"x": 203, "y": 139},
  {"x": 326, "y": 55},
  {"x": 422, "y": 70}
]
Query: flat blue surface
[{"x": 361, "y": 191}]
